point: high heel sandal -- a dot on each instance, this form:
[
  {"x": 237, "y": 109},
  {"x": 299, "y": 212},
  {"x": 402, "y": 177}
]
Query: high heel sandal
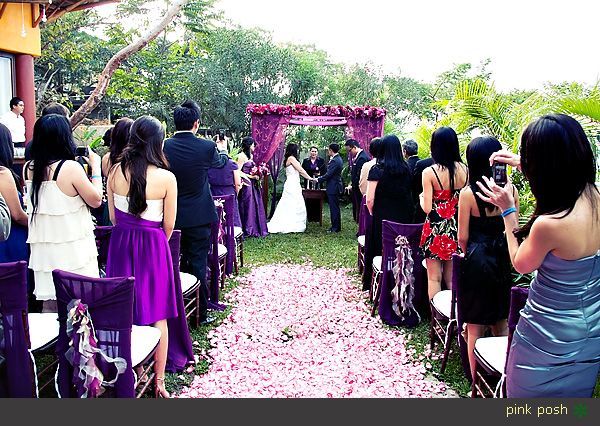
[{"x": 161, "y": 393}]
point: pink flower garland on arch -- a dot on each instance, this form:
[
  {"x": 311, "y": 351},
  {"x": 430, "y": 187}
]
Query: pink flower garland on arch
[{"x": 317, "y": 110}]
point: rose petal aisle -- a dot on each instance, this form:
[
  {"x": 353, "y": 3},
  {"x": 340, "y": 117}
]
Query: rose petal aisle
[{"x": 300, "y": 331}]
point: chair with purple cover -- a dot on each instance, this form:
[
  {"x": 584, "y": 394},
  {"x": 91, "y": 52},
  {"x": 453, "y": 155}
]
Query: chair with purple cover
[
  {"x": 102, "y": 234},
  {"x": 363, "y": 221},
  {"x": 190, "y": 285},
  {"x": 491, "y": 353},
  {"x": 181, "y": 352},
  {"x": 17, "y": 376},
  {"x": 216, "y": 256},
  {"x": 229, "y": 228},
  {"x": 383, "y": 292},
  {"x": 443, "y": 324},
  {"x": 109, "y": 304}
]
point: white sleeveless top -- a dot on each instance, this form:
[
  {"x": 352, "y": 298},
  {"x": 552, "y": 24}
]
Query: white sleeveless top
[{"x": 154, "y": 212}]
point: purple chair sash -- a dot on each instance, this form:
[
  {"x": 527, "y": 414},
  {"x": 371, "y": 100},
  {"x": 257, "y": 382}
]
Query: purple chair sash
[
  {"x": 215, "y": 268},
  {"x": 229, "y": 203},
  {"x": 364, "y": 218},
  {"x": 110, "y": 304},
  {"x": 181, "y": 352},
  {"x": 18, "y": 365},
  {"x": 391, "y": 230}
]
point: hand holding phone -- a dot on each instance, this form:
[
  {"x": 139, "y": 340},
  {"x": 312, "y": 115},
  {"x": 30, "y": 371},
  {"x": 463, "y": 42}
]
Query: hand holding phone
[{"x": 499, "y": 173}]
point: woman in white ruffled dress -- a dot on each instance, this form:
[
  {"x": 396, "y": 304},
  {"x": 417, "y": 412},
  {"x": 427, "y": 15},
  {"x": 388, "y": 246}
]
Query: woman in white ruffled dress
[
  {"x": 61, "y": 230},
  {"x": 290, "y": 214}
]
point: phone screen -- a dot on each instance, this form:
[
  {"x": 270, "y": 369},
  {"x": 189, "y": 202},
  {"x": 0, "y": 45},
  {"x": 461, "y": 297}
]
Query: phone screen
[{"x": 499, "y": 174}]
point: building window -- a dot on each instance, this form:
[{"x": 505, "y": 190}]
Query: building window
[{"x": 7, "y": 81}]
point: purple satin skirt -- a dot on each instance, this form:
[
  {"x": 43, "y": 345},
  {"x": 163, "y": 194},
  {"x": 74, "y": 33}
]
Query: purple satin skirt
[{"x": 139, "y": 248}]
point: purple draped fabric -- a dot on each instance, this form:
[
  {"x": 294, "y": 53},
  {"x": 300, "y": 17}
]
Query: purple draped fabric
[
  {"x": 17, "y": 380},
  {"x": 181, "y": 352},
  {"x": 364, "y": 218},
  {"x": 364, "y": 129},
  {"x": 518, "y": 298},
  {"x": 269, "y": 133},
  {"x": 222, "y": 183},
  {"x": 390, "y": 230},
  {"x": 102, "y": 234},
  {"x": 229, "y": 204},
  {"x": 214, "y": 267},
  {"x": 252, "y": 209},
  {"x": 110, "y": 304},
  {"x": 457, "y": 260},
  {"x": 139, "y": 248}
]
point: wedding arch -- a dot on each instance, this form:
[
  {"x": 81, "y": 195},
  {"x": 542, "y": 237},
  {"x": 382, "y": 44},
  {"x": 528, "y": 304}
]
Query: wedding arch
[{"x": 270, "y": 123}]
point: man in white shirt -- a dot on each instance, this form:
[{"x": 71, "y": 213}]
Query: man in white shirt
[{"x": 14, "y": 120}]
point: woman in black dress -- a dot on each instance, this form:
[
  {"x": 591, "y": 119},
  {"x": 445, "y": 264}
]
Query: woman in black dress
[
  {"x": 388, "y": 197},
  {"x": 486, "y": 272}
]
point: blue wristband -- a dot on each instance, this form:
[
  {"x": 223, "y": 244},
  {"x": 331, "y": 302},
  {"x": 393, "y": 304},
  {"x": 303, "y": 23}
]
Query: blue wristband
[
  {"x": 96, "y": 177},
  {"x": 508, "y": 211}
]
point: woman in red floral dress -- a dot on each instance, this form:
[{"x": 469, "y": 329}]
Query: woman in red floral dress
[{"x": 442, "y": 184}]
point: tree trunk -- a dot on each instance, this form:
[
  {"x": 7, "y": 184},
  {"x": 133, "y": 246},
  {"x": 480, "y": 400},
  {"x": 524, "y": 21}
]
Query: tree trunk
[{"x": 114, "y": 63}]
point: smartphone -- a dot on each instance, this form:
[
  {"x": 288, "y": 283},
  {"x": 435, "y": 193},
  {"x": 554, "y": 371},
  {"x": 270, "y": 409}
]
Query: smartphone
[
  {"x": 499, "y": 174},
  {"x": 221, "y": 135},
  {"x": 81, "y": 151}
]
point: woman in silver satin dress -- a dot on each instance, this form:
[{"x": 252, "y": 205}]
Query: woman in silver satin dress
[{"x": 555, "y": 351}]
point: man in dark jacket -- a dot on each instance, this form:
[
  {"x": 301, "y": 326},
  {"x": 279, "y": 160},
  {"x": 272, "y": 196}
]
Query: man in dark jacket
[
  {"x": 189, "y": 160},
  {"x": 334, "y": 187},
  {"x": 410, "y": 149},
  {"x": 359, "y": 157}
]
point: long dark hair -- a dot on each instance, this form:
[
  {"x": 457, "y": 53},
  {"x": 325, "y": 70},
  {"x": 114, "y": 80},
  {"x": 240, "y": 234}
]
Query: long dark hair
[
  {"x": 390, "y": 152},
  {"x": 445, "y": 150},
  {"x": 247, "y": 142},
  {"x": 144, "y": 149},
  {"x": 119, "y": 136},
  {"x": 479, "y": 152},
  {"x": 52, "y": 142},
  {"x": 558, "y": 161},
  {"x": 7, "y": 154},
  {"x": 291, "y": 150}
]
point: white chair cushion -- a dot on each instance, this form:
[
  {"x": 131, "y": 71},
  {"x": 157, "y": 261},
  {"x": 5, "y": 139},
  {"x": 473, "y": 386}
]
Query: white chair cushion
[
  {"x": 492, "y": 350},
  {"x": 143, "y": 341},
  {"x": 424, "y": 263},
  {"x": 377, "y": 263},
  {"x": 43, "y": 329},
  {"x": 188, "y": 281},
  {"x": 442, "y": 302},
  {"x": 237, "y": 231},
  {"x": 222, "y": 251},
  {"x": 361, "y": 240}
]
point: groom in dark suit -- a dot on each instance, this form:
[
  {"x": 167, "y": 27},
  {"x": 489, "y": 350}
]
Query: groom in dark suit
[
  {"x": 189, "y": 160},
  {"x": 334, "y": 186}
]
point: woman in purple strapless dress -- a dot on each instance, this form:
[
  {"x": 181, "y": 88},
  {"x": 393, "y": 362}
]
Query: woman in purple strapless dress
[
  {"x": 227, "y": 181},
  {"x": 142, "y": 199},
  {"x": 252, "y": 209}
]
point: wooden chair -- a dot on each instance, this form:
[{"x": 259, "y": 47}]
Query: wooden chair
[
  {"x": 443, "y": 326},
  {"x": 17, "y": 366},
  {"x": 491, "y": 353},
  {"x": 190, "y": 285},
  {"x": 109, "y": 304}
]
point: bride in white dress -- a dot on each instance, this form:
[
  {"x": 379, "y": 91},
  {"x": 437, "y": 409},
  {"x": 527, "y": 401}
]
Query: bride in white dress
[{"x": 290, "y": 213}]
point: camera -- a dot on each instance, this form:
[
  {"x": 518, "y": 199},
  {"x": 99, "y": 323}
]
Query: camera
[
  {"x": 81, "y": 151},
  {"x": 499, "y": 174},
  {"x": 221, "y": 134}
]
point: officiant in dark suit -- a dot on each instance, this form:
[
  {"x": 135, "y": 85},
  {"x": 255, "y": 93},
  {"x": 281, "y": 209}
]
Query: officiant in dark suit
[
  {"x": 189, "y": 159},
  {"x": 359, "y": 158},
  {"x": 334, "y": 187},
  {"x": 314, "y": 165}
]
